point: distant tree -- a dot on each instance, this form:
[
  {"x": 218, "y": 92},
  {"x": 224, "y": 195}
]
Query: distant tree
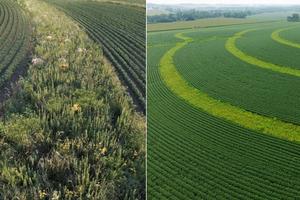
[
  {"x": 294, "y": 18},
  {"x": 193, "y": 14}
]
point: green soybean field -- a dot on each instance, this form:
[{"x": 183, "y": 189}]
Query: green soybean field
[
  {"x": 223, "y": 112},
  {"x": 15, "y": 31},
  {"x": 120, "y": 29}
]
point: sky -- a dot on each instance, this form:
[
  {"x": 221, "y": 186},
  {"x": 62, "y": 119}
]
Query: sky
[{"x": 225, "y": 1}]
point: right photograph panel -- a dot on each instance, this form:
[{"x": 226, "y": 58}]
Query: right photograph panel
[{"x": 223, "y": 99}]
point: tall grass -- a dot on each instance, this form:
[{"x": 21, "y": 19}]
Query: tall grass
[{"x": 69, "y": 131}]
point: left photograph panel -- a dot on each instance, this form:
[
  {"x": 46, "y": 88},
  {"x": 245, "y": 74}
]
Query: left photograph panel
[{"x": 72, "y": 99}]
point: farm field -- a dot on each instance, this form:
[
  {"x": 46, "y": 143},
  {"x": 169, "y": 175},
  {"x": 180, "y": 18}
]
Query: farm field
[
  {"x": 120, "y": 29},
  {"x": 291, "y": 35},
  {"x": 200, "y": 23},
  {"x": 237, "y": 82},
  {"x": 271, "y": 16},
  {"x": 15, "y": 31},
  {"x": 68, "y": 128},
  {"x": 214, "y": 22},
  {"x": 223, "y": 116}
]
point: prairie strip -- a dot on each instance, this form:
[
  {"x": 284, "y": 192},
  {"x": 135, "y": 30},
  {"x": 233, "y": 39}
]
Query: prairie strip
[
  {"x": 276, "y": 37},
  {"x": 232, "y": 48},
  {"x": 120, "y": 30},
  {"x": 197, "y": 98},
  {"x": 70, "y": 131}
]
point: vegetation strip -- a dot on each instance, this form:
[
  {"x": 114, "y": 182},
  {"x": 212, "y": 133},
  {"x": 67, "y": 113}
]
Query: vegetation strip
[
  {"x": 191, "y": 151},
  {"x": 69, "y": 131},
  {"x": 201, "y": 100},
  {"x": 232, "y": 48},
  {"x": 276, "y": 36},
  {"x": 120, "y": 30},
  {"x": 186, "y": 145}
]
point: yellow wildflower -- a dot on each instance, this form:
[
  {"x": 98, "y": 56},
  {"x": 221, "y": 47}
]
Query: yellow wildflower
[
  {"x": 103, "y": 150},
  {"x": 42, "y": 194},
  {"x": 64, "y": 66},
  {"x": 55, "y": 195},
  {"x": 66, "y": 146},
  {"x": 80, "y": 189},
  {"x": 76, "y": 107},
  {"x": 69, "y": 193}
]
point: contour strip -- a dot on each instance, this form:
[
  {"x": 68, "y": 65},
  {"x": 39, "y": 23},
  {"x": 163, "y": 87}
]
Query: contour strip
[{"x": 199, "y": 99}]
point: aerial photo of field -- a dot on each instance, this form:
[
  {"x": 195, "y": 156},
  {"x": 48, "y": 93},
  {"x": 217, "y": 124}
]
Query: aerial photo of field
[
  {"x": 72, "y": 99},
  {"x": 224, "y": 109}
]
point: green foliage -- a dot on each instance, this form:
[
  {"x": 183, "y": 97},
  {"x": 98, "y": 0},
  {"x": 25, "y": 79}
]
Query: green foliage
[
  {"x": 70, "y": 132},
  {"x": 194, "y": 155},
  {"x": 207, "y": 66},
  {"x": 138, "y": 3},
  {"x": 190, "y": 15},
  {"x": 291, "y": 35},
  {"x": 200, "y": 23},
  {"x": 231, "y": 47},
  {"x": 216, "y": 108},
  {"x": 294, "y": 18},
  {"x": 276, "y": 36},
  {"x": 259, "y": 44},
  {"x": 15, "y": 31},
  {"x": 121, "y": 31}
]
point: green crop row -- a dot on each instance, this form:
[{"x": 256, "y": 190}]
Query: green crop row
[
  {"x": 14, "y": 40},
  {"x": 207, "y": 66},
  {"x": 120, "y": 29}
]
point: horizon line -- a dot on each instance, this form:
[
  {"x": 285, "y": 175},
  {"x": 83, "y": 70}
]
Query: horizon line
[{"x": 269, "y": 4}]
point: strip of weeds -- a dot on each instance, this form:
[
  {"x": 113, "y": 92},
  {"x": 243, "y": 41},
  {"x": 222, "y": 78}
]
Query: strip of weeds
[
  {"x": 70, "y": 130},
  {"x": 235, "y": 51},
  {"x": 276, "y": 37},
  {"x": 201, "y": 100}
]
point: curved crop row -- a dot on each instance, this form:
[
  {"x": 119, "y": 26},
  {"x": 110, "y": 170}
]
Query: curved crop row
[
  {"x": 209, "y": 67},
  {"x": 232, "y": 48},
  {"x": 14, "y": 39},
  {"x": 276, "y": 36},
  {"x": 219, "y": 109},
  {"x": 259, "y": 44},
  {"x": 193, "y": 155},
  {"x": 122, "y": 36}
]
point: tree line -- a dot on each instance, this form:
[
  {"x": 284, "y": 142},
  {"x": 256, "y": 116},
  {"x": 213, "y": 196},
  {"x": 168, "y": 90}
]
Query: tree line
[
  {"x": 294, "y": 18},
  {"x": 190, "y": 15}
]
